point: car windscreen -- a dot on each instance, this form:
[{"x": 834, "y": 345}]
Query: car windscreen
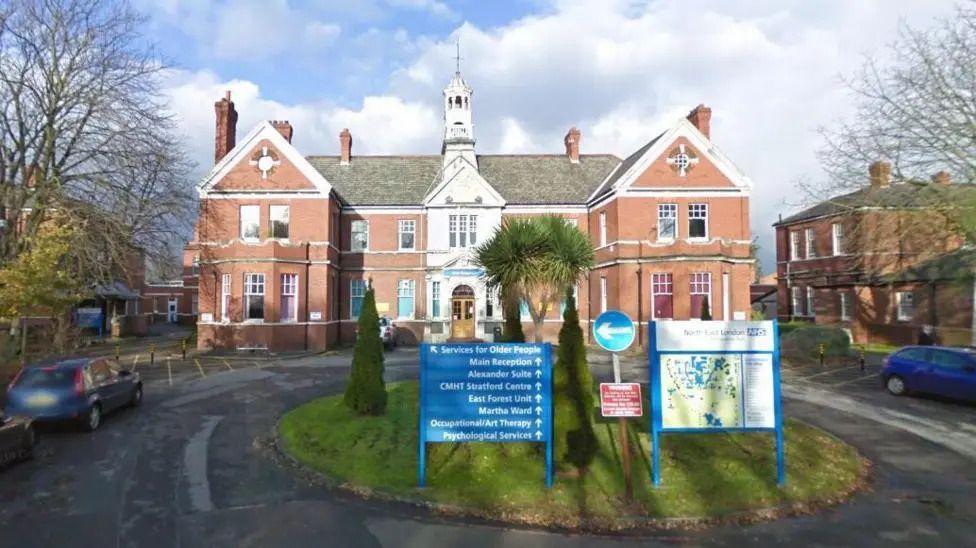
[
  {"x": 46, "y": 377},
  {"x": 384, "y": 322}
]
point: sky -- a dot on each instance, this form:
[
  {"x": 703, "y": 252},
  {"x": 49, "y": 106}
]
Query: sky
[{"x": 621, "y": 71}]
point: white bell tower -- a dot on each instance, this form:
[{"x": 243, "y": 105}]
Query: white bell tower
[{"x": 458, "y": 129}]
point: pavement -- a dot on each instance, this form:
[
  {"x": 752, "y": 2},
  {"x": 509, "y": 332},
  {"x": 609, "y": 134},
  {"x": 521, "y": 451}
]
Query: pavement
[{"x": 196, "y": 466}]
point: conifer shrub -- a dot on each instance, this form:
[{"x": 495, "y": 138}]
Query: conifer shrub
[
  {"x": 366, "y": 393},
  {"x": 574, "y": 437}
]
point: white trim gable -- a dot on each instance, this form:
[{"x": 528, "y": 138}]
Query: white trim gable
[
  {"x": 683, "y": 128},
  {"x": 241, "y": 151},
  {"x": 466, "y": 177}
]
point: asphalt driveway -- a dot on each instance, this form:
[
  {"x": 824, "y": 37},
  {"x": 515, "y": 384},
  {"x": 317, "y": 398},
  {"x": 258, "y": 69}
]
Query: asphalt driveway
[{"x": 195, "y": 466}]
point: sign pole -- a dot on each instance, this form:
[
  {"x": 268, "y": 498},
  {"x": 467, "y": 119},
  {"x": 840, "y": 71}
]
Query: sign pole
[
  {"x": 548, "y": 410},
  {"x": 422, "y": 437},
  {"x": 624, "y": 442},
  {"x": 654, "y": 394}
]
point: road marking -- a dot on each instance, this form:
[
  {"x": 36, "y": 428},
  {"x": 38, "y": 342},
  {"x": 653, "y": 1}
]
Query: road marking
[
  {"x": 828, "y": 372},
  {"x": 864, "y": 378},
  {"x": 228, "y": 365},
  {"x": 196, "y": 361},
  {"x": 135, "y": 362},
  {"x": 169, "y": 370},
  {"x": 195, "y": 465}
]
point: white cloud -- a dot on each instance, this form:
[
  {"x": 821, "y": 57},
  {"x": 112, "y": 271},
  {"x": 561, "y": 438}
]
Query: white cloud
[
  {"x": 433, "y": 7},
  {"x": 619, "y": 71}
]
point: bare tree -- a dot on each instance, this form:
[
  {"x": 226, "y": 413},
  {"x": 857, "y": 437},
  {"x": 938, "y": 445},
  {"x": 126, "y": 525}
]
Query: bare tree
[{"x": 84, "y": 130}]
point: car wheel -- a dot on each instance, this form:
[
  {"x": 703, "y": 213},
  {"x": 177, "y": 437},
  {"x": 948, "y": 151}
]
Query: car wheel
[
  {"x": 94, "y": 418},
  {"x": 896, "y": 385},
  {"x": 136, "y": 397}
]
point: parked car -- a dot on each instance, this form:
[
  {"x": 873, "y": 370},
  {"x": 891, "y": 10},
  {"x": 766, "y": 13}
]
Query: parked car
[
  {"x": 938, "y": 370},
  {"x": 82, "y": 390},
  {"x": 17, "y": 439},
  {"x": 388, "y": 332}
]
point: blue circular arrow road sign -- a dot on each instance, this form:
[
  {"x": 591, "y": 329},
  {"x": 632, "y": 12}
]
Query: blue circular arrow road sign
[{"x": 614, "y": 331}]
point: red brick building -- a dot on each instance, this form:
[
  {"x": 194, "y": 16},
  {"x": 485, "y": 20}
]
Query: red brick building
[
  {"x": 882, "y": 262},
  {"x": 287, "y": 243}
]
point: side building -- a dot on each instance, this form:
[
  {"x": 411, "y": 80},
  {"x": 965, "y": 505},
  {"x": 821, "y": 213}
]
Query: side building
[
  {"x": 885, "y": 262},
  {"x": 287, "y": 243}
]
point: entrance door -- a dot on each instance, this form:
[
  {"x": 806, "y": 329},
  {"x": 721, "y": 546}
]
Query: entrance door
[
  {"x": 462, "y": 313},
  {"x": 171, "y": 311}
]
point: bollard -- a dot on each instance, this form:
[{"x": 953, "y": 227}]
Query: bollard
[
  {"x": 183, "y": 346},
  {"x": 152, "y": 354},
  {"x": 823, "y": 350},
  {"x": 861, "y": 361}
]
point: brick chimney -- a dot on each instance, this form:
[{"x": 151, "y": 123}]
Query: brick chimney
[
  {"x": 226, "y": 135},
  {"x": 572, "y": 141},
  {"x": 942, "y": 178},
  {"x": 701, "y": 118},
  {"x": 880, "y": 172},
  {"x": 345, "y": 144},
  {"x": 284, "y": 128}
]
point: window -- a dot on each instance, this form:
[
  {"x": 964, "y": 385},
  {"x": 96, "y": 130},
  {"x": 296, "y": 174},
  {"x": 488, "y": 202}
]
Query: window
[
  {"x": 463, "y": 230},
  {"x": 811, "y": 311},
  {"x": 359, "y": 239},
  {"x": 250, "y": 223},
  {"x": 603, "y": 228},
  {"x": 845, "y": 306},
  {"x": 491, "y": 295},
  {"x": 254, "y": 296},
  {"x": 698, "y": 221},
  {"x": 194, "y": 303},
  {"x": 795, "y": 246},
  {"x": 837, "y": 238},
  {"x": 917, "y": 354},
  {"x": 949, "y": 360},
  {"x": 700, "y": 290},
  {"x": 906, "y": 305},
  {"x": 662, "y": 295},
  {"x": 279, "y": 222},
  {"x": 810, "y": 241},
  {"x": 357, "y": 290},
  {"x": 796, "y": 300},
  {"x": 667, "y": 221},
  {"x": 405, "y": 290},
  {"x": 572, "y": 222},
  {"x": 225, "y": 298},
  {"x": 603, "y": 294},
  {"x": 435, "y": 299},
  {"x": 406, "y": 231},
  {"x": 524, "y": 313},
  {"x": 289, "y": 297}
]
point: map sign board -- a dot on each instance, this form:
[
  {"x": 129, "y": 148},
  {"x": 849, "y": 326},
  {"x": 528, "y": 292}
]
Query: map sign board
[
  {"x": 485, "y": 392},
  {"x": 714, "y": 376},
  {"x": 621, "y": 399}
]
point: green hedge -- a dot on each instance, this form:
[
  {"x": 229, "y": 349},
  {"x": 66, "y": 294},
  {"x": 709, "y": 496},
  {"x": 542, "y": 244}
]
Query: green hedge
[{"x": 804, "y": 342}]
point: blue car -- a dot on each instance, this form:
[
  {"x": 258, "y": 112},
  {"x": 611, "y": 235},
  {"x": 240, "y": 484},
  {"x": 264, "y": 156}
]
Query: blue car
[
  {"x": 80, "y": 390},
  {"x": 937, "y": 370}
]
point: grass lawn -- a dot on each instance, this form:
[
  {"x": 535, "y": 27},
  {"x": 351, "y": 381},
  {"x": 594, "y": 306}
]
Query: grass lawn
[
  {"x": 703, "y": 475},
  {"x": 875, "y": 348}
]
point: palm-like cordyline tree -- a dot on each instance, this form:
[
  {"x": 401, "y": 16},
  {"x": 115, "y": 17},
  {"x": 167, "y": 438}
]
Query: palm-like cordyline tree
[{"x": 535, "y": 261}]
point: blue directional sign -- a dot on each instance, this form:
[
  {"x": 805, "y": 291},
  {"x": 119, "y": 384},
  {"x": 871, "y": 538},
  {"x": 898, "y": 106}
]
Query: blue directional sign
[
  {"x": 614, "y": 331},
  {"x": 488, "y": 392}
]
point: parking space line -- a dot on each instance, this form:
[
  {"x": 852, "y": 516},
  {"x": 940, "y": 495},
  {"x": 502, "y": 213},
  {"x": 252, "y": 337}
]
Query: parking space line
[
  {"x": 135, "y": 362},
  {"x": 229, "y": 368},
  {"x": 196, "y": 361},
  {"x": 169, "y": 370},
  {"x": 828, "y": 372},
  {"x": 865, "y": 377}
]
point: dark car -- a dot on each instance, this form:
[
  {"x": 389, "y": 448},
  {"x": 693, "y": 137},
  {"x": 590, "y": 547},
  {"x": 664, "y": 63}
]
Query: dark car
[
  {"x": 388, "y": 332},
  {"x": 81, "y": 390},
  {"x": 16, "y": 439},
  {"x": 938, "y": 370}
]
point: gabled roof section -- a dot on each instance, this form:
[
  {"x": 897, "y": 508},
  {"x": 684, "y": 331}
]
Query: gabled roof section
[
  {"x": 464, "y": 186},
  {"x": 638, "y": 162},
  {"x": 909, "y": 194},
  {"x": 241, "y": 151},
  {"x": 530, "y": 179}
]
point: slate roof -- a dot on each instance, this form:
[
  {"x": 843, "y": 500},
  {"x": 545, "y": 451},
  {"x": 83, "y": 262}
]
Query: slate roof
[
  {"x": 520, "y": 179},
  {"x": 898, "y": 195},
  {"x": 627, "y": 164}
]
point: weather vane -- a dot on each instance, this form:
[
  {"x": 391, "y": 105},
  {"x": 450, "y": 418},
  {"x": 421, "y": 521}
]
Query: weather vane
[{"x": 457, "y": 57}]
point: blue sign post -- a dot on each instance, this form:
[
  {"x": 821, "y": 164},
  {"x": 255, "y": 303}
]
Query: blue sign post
[
  {"x": 614, "y": 331},
  {"x": 715, "y": 377},
  {"x": 493, "y": 392}
]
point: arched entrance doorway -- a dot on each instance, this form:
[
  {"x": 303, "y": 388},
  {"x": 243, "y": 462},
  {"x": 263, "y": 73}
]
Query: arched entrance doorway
[{"x": 462, "y": 312}]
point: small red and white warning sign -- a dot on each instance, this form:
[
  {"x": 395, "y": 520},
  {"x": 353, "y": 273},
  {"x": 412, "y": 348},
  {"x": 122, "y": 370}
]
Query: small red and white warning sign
[{"x": 621, "y": 399}]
